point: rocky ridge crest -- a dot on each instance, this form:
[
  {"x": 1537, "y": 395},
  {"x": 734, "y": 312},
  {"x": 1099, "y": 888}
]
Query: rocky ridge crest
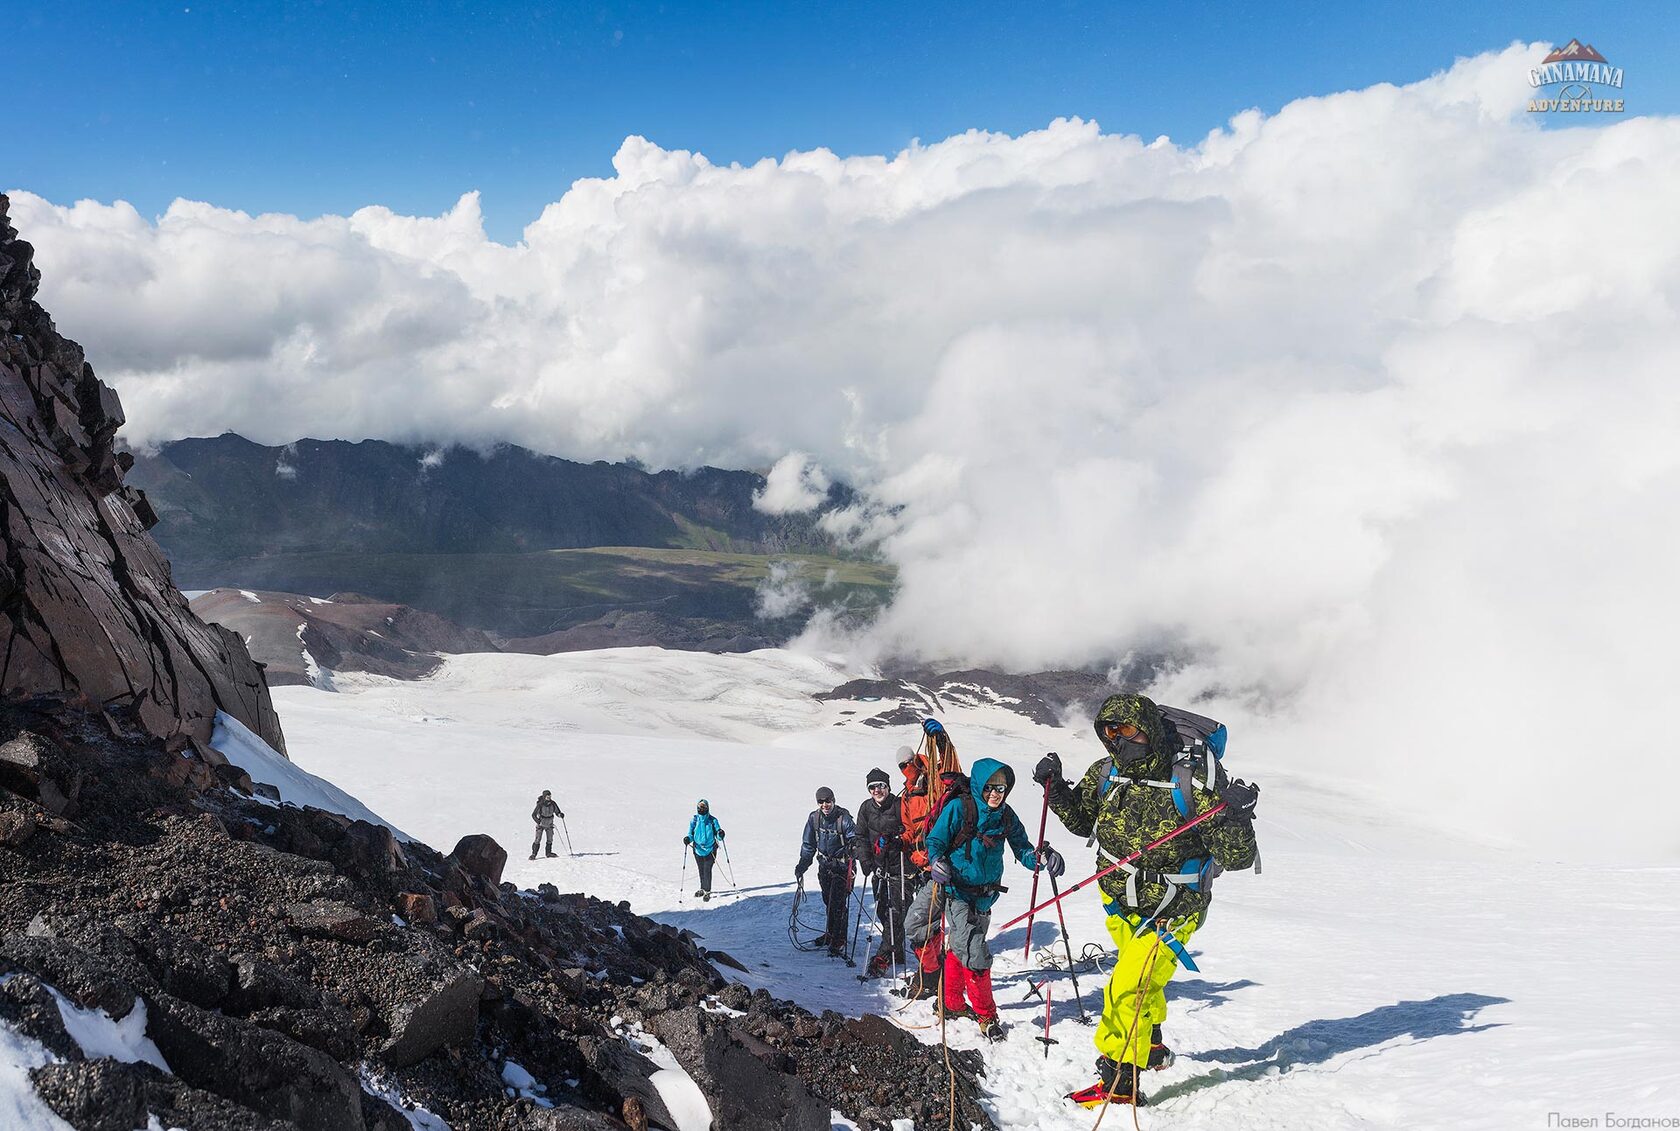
[{"x": 89, "y": 606}]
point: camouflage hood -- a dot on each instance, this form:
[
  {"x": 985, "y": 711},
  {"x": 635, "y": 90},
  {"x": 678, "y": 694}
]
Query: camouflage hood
[{"x": 1140, "y": 711}]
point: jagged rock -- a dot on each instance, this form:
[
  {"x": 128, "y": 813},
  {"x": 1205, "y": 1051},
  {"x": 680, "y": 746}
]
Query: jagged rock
[
  {"x": 417, "y": 907},
  {"x": 16, "y": 828},
  {"x": 481, "y": 856},
  {"x": 264, "y": 1070},
  {"x": 232, "y": 777},
  {"x": 108, "y": 1095},
  {"x": 480, "y": 926},
  {"x": 368, "y": 849},
  {"x": 331, "y": 919},
  {"x": 89, "y": 605},
  {"x": 723, "y": 958},
  {"x": 446, "y": 1014},
  {"x": 873, "y": 1029},
  {"x": 626, "y": 1073},
  {"x": 577, "y": 1119},
  {"x": 744, "y": 1090},
  {"x": 32, "y": 767},
  {"x": 262, "y": 985}
]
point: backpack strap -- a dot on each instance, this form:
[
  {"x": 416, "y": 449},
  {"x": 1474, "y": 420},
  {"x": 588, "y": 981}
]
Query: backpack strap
[
  {"x": 1113, "y": 778},
  {"x": 970, "y": 821}
]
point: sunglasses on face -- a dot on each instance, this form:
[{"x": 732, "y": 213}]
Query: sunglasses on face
[
  {"x": 1123, "y": 730},
  {"x": 997, "y": 789},
  {"x": 878, "y": 786},
  {"x": 825, "y": 803}
]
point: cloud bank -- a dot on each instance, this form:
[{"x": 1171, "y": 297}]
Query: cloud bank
[{"x": 1368, "y": 408}]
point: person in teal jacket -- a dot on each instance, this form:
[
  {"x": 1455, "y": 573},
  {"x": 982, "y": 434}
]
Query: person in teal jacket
[
  {"x": 704, "y": 833},
  {"x": 965, "y": 849}
]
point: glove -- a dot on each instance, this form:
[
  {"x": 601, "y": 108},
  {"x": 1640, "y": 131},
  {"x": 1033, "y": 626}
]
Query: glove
[
  {"x": 941, "y": 872},
  {"x": 1048, "y": 769},
  {"x": 799, "y": 871},
  {"x": 1240, "y": 797},
  {"x": 721, "y": 834},
  {"x": 1051, "y": 861},
  {"x": 688, "y": 840},
  {"x": 562, "y": 816}
]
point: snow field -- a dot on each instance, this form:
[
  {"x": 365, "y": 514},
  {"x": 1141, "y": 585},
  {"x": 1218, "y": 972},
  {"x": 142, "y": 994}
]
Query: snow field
[{"x": 1378, "y": 973}]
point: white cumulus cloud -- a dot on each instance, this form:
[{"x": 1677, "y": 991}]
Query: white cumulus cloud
[
  {"x": 1367, "y": 408},
  {"x": 795, "y": 485}
]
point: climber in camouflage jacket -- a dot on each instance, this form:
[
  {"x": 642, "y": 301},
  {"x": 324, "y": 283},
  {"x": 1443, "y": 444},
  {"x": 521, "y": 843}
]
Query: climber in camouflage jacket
[
  {"x": 1132, "y": 796},
  {"x": 1128, "y": 814}
]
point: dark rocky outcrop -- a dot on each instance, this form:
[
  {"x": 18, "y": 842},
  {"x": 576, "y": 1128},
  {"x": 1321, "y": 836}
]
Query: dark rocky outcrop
[
  {"x": 906, "y": 697},
  {"x": 301, "y": 640},
  {"x": 89, "y": 605},
  {"x": 287, "y": 972}
]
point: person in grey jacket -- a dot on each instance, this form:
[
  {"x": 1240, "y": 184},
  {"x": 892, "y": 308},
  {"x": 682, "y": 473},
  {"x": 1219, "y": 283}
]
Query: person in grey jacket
[
  {"x": 828, "y": 836},
  {"x": 547, "y": 809}
]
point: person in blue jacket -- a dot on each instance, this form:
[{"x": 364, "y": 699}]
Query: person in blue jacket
[
  {"x": 965, "y": 850},
  {"x": 704, "y": 834}
]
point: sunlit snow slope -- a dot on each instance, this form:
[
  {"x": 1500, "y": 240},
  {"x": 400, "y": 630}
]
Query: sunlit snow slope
[{"x": 1379, "y": 973}]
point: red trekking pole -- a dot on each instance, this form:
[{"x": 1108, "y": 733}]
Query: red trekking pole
[
  {"x": 1043, "y": 817},
  {"x": 1150, "y": 847}
]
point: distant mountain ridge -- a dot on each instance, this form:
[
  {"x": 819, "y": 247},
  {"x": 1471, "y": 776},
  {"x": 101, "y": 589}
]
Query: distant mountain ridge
[
  {"x": 525, "y": 546},
  {"x": 227, "y": 497}
]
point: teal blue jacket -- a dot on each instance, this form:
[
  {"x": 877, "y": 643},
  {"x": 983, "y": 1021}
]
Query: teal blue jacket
[
  {"x": 978, "y": 865},
  {"x": 704, "y": 831}
]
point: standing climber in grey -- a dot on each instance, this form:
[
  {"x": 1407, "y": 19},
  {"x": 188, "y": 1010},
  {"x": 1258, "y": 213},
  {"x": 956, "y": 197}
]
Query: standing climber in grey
[
  {"x": 828, "y": 836},
  {"x": 545, "y": 812}
]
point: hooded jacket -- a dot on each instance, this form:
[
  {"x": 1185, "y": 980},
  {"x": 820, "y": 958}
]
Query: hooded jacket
[
  {"x": 545, "y": 812},
  {"x": 978, "y": 865},
  {"x": 1127, "y": 815},
  {"x": 703, "y": 831}
]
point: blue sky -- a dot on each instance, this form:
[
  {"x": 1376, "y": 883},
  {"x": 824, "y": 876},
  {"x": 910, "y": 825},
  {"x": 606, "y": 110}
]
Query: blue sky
[{"x": 312, "y": 108}]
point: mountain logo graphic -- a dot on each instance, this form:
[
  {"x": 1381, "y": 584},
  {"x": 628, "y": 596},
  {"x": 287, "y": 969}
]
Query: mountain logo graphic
[
  {"x": 1574, "y": 52},
  {"x": 1572, "y": 72}
]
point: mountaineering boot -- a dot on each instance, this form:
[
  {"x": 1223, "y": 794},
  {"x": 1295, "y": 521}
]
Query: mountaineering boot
[
  {"x": 1118, "y": 1079},
  {"x": 1160, "y": 1056},
  {"x": 879, "y": 965},
  {"x": 705, "y": 897},
  {"x": 993, "y": 1029},
  {"x": 958, "y": 1012},
  {"x": 533, "y": 854},
  {"x": 820, "y": 940},
  {"x": 699, "y": 893},
  {"x": 552, "y": 855},
  {"x": 921, "y": 984}
]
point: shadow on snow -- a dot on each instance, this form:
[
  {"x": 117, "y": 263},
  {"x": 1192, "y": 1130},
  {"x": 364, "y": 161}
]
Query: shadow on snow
[{"x": 1318, "y": 1041}]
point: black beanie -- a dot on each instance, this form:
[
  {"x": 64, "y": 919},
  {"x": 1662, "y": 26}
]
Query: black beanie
[
  {"x": 825, "y": 794},
  {"x": 877, "y": 775}
]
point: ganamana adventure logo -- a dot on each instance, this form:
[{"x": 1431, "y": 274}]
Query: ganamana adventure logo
[{"x": 1573, "y": 71}]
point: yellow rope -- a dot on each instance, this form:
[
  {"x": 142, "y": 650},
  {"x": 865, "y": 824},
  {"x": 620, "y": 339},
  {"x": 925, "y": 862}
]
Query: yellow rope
[{"x": 1137, "y": 1016}]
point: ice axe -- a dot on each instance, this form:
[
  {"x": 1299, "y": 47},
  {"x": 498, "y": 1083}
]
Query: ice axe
[{"x": 1047, "y": 1040}]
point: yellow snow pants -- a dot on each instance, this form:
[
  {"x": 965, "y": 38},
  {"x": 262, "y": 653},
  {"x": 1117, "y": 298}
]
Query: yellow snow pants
[{"x": 1135, "y": 999}]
